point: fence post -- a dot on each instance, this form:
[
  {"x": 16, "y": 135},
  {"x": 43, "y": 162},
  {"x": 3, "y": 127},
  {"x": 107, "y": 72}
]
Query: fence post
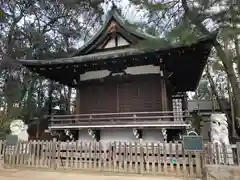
[
  {"x": 217, "y": 150},
  {"x": 1, "y": 154},
  {"x": 203, "y": 165},
  {"x": 198, "y": 164},
  {"x": 1, "y": 147},
  {"x": 238, "y": 152},
  {"x": 53, "y": 159},
  {"x": 141, "y": 158}
]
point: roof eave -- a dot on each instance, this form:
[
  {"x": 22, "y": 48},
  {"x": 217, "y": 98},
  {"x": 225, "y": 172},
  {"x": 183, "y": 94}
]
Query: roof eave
[{"x": 91, "y": 57}]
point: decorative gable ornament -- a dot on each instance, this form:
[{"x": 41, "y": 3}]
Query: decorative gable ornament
[{"x": 113, "y": 28}]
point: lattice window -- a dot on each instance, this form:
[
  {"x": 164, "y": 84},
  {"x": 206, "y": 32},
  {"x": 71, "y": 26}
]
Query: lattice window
[{"x": 177, "y": 109}]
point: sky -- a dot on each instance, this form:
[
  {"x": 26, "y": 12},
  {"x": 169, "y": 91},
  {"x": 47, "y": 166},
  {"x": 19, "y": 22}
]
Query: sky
[{"x": 130, "y": 12}]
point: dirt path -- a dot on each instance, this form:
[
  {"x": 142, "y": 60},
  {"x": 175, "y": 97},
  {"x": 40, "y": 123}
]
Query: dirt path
[{"x": 26, "y": 174}]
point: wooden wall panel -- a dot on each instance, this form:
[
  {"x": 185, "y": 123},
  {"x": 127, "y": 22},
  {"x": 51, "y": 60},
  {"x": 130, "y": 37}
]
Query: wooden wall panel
[
  {"x": 141, "y": 93},
  {"x": 98, "y": 99}
]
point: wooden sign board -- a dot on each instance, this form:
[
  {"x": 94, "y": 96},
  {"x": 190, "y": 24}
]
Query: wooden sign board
[
  {"x": 11, "y": 140},
  {"x": 193, "y": 143}
]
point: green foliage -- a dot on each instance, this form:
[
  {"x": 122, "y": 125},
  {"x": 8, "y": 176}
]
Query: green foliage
[
  {"x": 151, "y": 6},
  {"x": 157, "y": 6},
  {"x": 37, "y": 30},
  {"x": 4, "y": 126},
  {"x": 2, "y": 16},
  {"x": 217, "y": 66},
  {"x": 202, "y": 92},
  {"x": 205, "y": 3},
  {"x": 230, "y": 32},
  {"x": 184, "y": 33}
]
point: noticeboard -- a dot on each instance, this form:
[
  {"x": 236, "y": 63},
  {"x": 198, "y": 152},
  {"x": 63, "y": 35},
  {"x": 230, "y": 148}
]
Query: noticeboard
[
  {"x": 193, "y": 143},
  {"x": 11, "y": 140}
]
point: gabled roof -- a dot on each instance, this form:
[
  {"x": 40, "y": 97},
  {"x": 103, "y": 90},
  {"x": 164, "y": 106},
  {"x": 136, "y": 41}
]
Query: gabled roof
[{"x": 113, "y": 16}]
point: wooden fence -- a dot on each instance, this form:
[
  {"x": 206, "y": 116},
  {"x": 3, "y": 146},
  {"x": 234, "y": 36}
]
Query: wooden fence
[{"x": 167, "y": 159}]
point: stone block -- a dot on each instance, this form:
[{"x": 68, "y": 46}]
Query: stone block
[{"x": 221, "y": 172}]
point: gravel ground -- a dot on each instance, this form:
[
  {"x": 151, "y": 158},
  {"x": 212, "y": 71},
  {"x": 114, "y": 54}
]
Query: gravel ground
[{"x": 26, "y": 174}]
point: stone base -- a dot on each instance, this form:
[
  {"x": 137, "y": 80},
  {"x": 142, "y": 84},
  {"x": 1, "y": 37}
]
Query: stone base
[{"x": 221, "y": 172}]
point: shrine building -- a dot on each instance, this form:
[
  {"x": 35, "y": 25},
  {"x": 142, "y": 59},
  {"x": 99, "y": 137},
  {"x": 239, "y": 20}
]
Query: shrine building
[{"x": 128, "y": 88}]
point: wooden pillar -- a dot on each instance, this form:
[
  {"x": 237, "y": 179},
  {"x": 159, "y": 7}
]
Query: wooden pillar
[
  {"x": 77, "y": 77},
  {"x": 77, "y": 111},
  {"x": 164, "y": 95},
  {"x": 185, "y": 105},
  {"x": 50, "y": 98},
  {"x": 184, "y": 102},
  {"x": 170, "y": 95}
]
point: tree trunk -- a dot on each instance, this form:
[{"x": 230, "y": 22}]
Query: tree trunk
[{"x": 29, "y": 100}]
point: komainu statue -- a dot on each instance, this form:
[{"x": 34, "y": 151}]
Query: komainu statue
[
  {"x": 219, "y": 134},
  {"x": 19, "y": 128}
]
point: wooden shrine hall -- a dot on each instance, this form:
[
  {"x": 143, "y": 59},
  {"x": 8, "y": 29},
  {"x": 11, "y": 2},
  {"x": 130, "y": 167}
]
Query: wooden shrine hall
[{"x": 126, "y": 83}]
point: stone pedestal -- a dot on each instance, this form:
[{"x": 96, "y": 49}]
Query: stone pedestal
[{"x": 221, "y": 172}]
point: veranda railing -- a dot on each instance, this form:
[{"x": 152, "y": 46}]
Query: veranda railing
[{"x": 130, "y": 118}]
